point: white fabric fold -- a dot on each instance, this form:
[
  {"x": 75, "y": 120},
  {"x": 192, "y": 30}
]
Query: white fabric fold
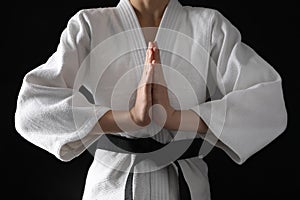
[
  {"x": 251, "y": 111},
  {"x": 50, "y": 112}
]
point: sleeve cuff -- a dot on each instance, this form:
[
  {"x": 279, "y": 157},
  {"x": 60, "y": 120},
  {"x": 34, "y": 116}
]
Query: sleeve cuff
[
  {"x": 215, "y": 135},
  {"x": 82, "y": 138}
]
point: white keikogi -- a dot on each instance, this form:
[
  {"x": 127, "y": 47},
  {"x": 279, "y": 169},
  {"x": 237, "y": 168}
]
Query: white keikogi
[{"x": 200, "y": 49}]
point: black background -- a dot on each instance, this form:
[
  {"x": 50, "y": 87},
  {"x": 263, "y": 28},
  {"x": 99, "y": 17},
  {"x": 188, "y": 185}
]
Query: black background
[{"x": 30, "y": 34}]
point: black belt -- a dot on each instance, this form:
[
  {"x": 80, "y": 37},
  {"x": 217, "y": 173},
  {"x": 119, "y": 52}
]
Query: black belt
[{"x": 148, "y": 145}]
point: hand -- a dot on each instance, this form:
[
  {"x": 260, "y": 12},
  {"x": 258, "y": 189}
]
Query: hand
[
  {"x": 163, "y": 112},
  {"x": 140, "y": 112}
]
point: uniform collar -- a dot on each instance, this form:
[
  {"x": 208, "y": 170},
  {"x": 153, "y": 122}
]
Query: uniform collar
[{"x": 130, "y": 20}]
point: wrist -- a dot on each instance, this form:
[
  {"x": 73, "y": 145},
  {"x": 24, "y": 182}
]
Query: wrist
[
  {"x": 173, "y": 119},
  {"x": 138, "y": 121}
]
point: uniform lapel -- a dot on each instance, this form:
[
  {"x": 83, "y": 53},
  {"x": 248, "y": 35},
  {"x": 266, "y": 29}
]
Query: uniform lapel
[{"x": 130, "y": 23}]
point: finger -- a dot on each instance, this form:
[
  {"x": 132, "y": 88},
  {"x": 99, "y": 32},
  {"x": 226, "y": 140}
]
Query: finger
[
  {"x": 151, "y": 44},
  {"x": 149, "y": 53},
  {"x": 146, "y": 67},
  {"x": 156, "y": 52},
  {"x": 148, "y": 85},
  {"x": 158, "y": 75},
  {"x": 147, "y": 76},
  {"x": 149, "y": 56},
  {"x": 149, "y": 73}
]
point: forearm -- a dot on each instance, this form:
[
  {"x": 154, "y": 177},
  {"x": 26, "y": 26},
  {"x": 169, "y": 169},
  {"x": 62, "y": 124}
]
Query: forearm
[
  {"x": 186, "y": 120},
  {"x": 117, "y": 121}
]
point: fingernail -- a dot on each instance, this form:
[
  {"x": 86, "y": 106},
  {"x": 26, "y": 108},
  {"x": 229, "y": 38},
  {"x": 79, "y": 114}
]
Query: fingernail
[{"x": 155, "y": 43}]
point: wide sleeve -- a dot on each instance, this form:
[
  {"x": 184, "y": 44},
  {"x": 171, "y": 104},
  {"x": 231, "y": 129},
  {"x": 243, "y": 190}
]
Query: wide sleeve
[
  {"x": 249, "y": 111},
  {"x": 52, "y": 114}
]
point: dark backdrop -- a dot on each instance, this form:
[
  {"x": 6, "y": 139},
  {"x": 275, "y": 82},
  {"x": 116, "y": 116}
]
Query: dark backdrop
[{"x": 30, "y": 34}]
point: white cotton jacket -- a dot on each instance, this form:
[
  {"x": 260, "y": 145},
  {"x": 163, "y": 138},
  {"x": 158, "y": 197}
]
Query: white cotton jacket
[{"x": 208, "y": 69}]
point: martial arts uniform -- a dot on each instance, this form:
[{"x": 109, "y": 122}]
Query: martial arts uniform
[{"x": 208, "y": 69}]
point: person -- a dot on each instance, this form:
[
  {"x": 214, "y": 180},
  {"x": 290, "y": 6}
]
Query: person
[{"x": 195, "y": 79}]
